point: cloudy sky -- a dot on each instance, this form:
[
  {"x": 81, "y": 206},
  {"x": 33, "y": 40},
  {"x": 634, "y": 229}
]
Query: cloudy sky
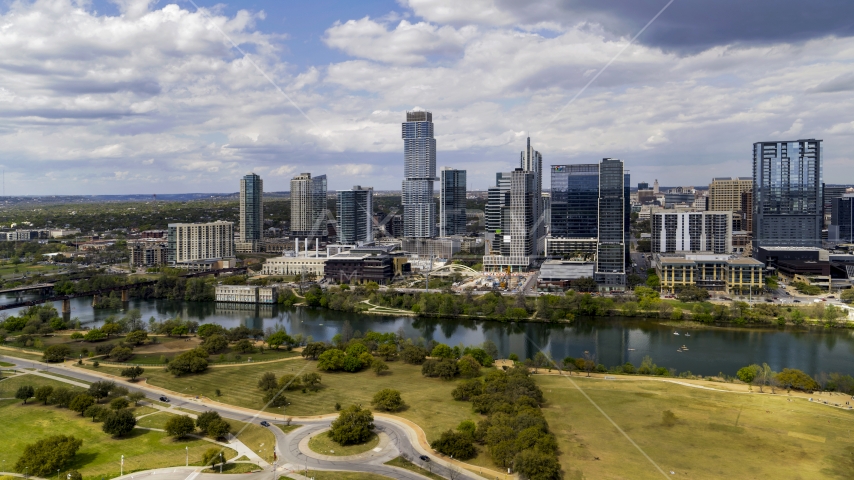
[{"x": 140, "y": 96}]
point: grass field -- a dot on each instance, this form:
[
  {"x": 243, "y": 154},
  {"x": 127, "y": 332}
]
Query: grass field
[
  {"x": 321, "y": 443},
  {"x": 324, "y": 475},
  {"x": 9, "y": 386},
  {"x": 6, "y": 364},
  {"x": 234, "y": 468},
  {"x": 258, "y": 438},
  {"x": 429, "y": 400},
  {"x": 406, "y": 464},
  {"x": 715, "y": 434},
  {"x": 288, "y": 428},
  {"x": 100, "y": 454},
  {"x": 22, "y": 354},
  {"x": 157, "y": 420}
]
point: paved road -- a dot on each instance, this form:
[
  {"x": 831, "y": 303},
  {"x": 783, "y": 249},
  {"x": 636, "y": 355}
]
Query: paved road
[{"x": 402, "y": 438}]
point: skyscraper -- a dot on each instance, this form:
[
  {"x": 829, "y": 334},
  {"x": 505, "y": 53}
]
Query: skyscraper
[
  {"x": 725, "y": 193},
  {"x": 787, "y": 194},
  {"x": 308, "y": 206},
  {"x": 532, "y": 161},
  {"x": 611, "y": 252},
  {"x": 575, "y": 201},
  {"x": 251, "y": 214},
  {"x": 419, "y": 171},
  {"x": 841, "y": 227},
  {"x": 452, "y": 202},
  {"x": 355, "y": 215}
]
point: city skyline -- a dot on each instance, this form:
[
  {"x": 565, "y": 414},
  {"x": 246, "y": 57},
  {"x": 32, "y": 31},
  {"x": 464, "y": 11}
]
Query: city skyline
[{"x": 680, "y": 111}]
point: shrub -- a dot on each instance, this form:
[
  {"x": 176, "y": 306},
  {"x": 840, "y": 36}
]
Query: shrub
[
  {"x": 56, "y": 353},
  {"x": 120, "y": 354},
  {"x": 413, "y": 355},
  {"x": 468, "y": 367},
  {"x": 180, "y": 426},
  {"x": 797, "y": 380},
  {"x": 119, "y": 403}
]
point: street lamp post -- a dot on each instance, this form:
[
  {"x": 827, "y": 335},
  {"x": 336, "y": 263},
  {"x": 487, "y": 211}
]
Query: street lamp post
[
  {"x": 123, "y": 465},
  {"x": 188, "y": 455},
  {"x": 220, "y": 462}
]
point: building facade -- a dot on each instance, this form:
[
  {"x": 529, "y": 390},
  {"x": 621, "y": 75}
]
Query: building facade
[
  {"x": 308, "y": 206},
  {"x": 787, "y": 193},
  {"x": 841, "y": 229},
  {"x": 828, "y": 193},
  {"x": 246, "y": 294},
  {"x": 452, "y": 202},
  {"x": 292, "y": 266},
  {"x": 692, "y": 232},
  {"x": 725, "y": 193},
  {"x": 575, "y": 201},
  {"x": 613, "y": 226},
  {"x": 355, "y": 215},
  {"x": 190, "y": 242},
  {"x": 419, "y": 172},
  {"x": 532, "y": 161},
  {"x": 148, "y": 253},
  {"x": 251, "y": 236},
  {"x": 714, "y": 272}
]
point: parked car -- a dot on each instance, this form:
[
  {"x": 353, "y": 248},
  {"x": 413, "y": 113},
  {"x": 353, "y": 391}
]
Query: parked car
[
  {"x": 264, "y": 423},
  {"x": 164, "y": 399}
]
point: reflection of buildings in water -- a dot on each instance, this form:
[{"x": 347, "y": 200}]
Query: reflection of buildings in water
[
  {"x": 257, "y": 311},
  {"x": 612, "y": 346}
]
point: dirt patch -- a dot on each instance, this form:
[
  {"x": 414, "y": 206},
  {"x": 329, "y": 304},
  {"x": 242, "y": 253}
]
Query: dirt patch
[{"x": 188, "y": 343}]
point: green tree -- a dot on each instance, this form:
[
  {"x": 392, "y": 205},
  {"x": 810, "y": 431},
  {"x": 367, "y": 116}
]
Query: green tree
[
  {"x": 379, "y": 366},
  {"x": 137, "y": 337},
  {"x": 192, "y": 361},
  {"x": 210, "y": 456},
  {"x": 748, "y": 373},
  {"x": 180, "y": 426},
  {"x": 56, "y": 353},
  {"x": 25, "y": 392},
  {"x": 279, "y": 338},
  {"x": 468, "y": 367},
  {"x": 48, "y": 455},
  {"x": 133, "y": 372},
  {"x": 101, "y": 389},
  {"x": 244, "y": 346},
  {"x": 97, "y": 412},
  {"x": 331, "y": 360},
  {"x": 442, "y": 351},
  {"x": 119, "y": 423},
  {"x": 388, "y": 400},
  {"x": 215, "y": 343},
  {"x": 535, "y": 464},
  {"x": 218, "y": 429},
  {"x": 135, "y": 397},
  {"x": 42, "y": 394},
  {"x": 119, "y": 403},
  {"x": 204, "y": 419},
  {"x": 797, "y": 380},
  {"x": 352, "y": 426},
  {"x": 847, "y": 296},
  {"x": 94, "y": 335},
  {"x": 180, "y": 331},
  {"x": 413, "y": 355},
  {"x": 313, "y": 350},
  {"x": 311, "y": 380},
  {"x": 81, "y": 402},
  {"x": 456, "y": 444},
  {"x": 653, "y": 282},
  {"x": 121, "y": 354},
  {"x": 268, "y": 382},
  {"x": 388, "y": 351}
]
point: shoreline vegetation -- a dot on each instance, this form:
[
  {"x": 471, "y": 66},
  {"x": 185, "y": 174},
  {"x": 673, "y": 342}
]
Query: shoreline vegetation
[{"x": 643, "y": 303}]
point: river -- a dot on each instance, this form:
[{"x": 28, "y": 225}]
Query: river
[{"x": 614, "y": 341}]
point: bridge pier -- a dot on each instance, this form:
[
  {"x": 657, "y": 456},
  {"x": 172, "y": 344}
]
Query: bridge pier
[
  {"x": 95, "y": 299},
  {"x": 66, "y": 306},
  {"x": 124, "y": 296}
]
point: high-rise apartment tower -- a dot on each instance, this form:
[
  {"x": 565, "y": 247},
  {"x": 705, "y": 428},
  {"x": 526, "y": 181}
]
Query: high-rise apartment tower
[
  {"x": 787, "y": 194},
  {"x": 613, "y": 226},
  {"x": 452, "y": 202},
  {"x": 355, "y": 215},
  {"x": 419, "y": 172},
  {"x": 251, "y": 234},
  {"x": 308, "y": 206}
]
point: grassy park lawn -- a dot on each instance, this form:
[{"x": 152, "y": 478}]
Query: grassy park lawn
[
  {"x": 329, "y": 475},
  {"x": 9, "y": 386},
  {"x": 321, "y": 443},
  {"x": 234, "y": 468},
  {"x": 157, "y": 420},
  {"x": 260, "y": 439},
  {"x": 8, "y": 268},
  {"x": 716, "y": 434},
  {"x": 429, "y": 400},
  {"x": 6, "y": 364},
  {"x": 23, "y": 354},
  {"x": 288, "y": 428},
  {"x": 100, "y": 454}
]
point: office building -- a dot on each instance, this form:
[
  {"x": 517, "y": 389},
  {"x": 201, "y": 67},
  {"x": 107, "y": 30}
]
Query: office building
[
  {"x": 246, "y": 294},
  {"x": 612, "y": 238},
  {"x": 251, "y": 236},
  {"x": 305, "y": 266},
  {"x": 452, "y": 202},
  {"x": 692, "y": 232},
  {"x": 146, "y": 253},
  {"x": 643, "y": 186},
  {"x": 515, "y": 242},
  {"x": 191, "y": 242},
  {"x": 733, "y": 275},
  {"x": 679, "y": 196},
  {"x": 355, "y": 215},
  {"x": 725, "y": 193},
  {"x": 419, "y": 172},
  {"x": 787, "y": 193},
  {"x": 498, "y": 198},
  {"x": 841, "y": 229},
  {"x": 532, "y": 161},
  {"x": 308, "y": 206},
  {"x": 828, "y": 193},
  {"x": 575, "y": 201}
]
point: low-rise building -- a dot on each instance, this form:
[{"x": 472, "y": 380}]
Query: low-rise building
[
  {"x": 205, "y": 265},
  {"x": 713, "y": 272},
  {"x": 362, "y": 265},
  {"x": 246, "y": 294},
  {"x": 562, "y": 272},
  {"x": 570, "y": 247},
  {"x": 147, "y": 253},
  {"x": 302, "y": 265}
]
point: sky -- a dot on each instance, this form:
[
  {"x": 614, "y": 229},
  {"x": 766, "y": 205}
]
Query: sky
[{"x": 140, "y": 96}]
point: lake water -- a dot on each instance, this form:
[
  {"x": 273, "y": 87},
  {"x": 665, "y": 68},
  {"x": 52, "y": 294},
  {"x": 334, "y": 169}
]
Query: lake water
[{"x": 614, "y": 341}]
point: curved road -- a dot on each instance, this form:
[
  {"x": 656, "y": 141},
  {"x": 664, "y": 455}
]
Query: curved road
[{"x": 402, "y": 438}]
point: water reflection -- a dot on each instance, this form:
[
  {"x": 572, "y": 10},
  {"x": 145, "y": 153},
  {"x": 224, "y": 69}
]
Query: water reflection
[{"x": 613, "y": 341}]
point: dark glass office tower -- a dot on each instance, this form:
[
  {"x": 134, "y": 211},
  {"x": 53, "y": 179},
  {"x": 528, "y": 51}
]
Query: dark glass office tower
[
  {"x": 452, "y": 202},
  {"x": 841, "y": 227},
  {"x": 610, "y": 271},
  {"x": 575, "y": 201},
  {"x": 787, "y": 195},
  {"x": 251, "y": 212},
  {"x": 355, "y": 215}
]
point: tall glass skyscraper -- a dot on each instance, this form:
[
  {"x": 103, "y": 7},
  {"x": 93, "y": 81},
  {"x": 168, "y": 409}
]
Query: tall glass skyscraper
[
  {"x": 452, "y": 202},
  {"x": 419, "y": 172},
  {"x": 251, "y": 213},
  {"x": 575, "y": 201},
  {"x": 787, "y": 195},
  {"x": 308, "y": 206},
  {"x": 532, "y": 161},
  {"x": 611, "y": 252},
  {"x": 355, "y": 215}
]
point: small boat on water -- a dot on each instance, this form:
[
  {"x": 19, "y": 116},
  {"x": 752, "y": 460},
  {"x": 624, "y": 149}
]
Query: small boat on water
[
  {"x": 687, "y": 334},
  {"x": 675, "y": 333},
  {"x": 631, "y": 349},
  {"x": 679, "y": 351}
]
